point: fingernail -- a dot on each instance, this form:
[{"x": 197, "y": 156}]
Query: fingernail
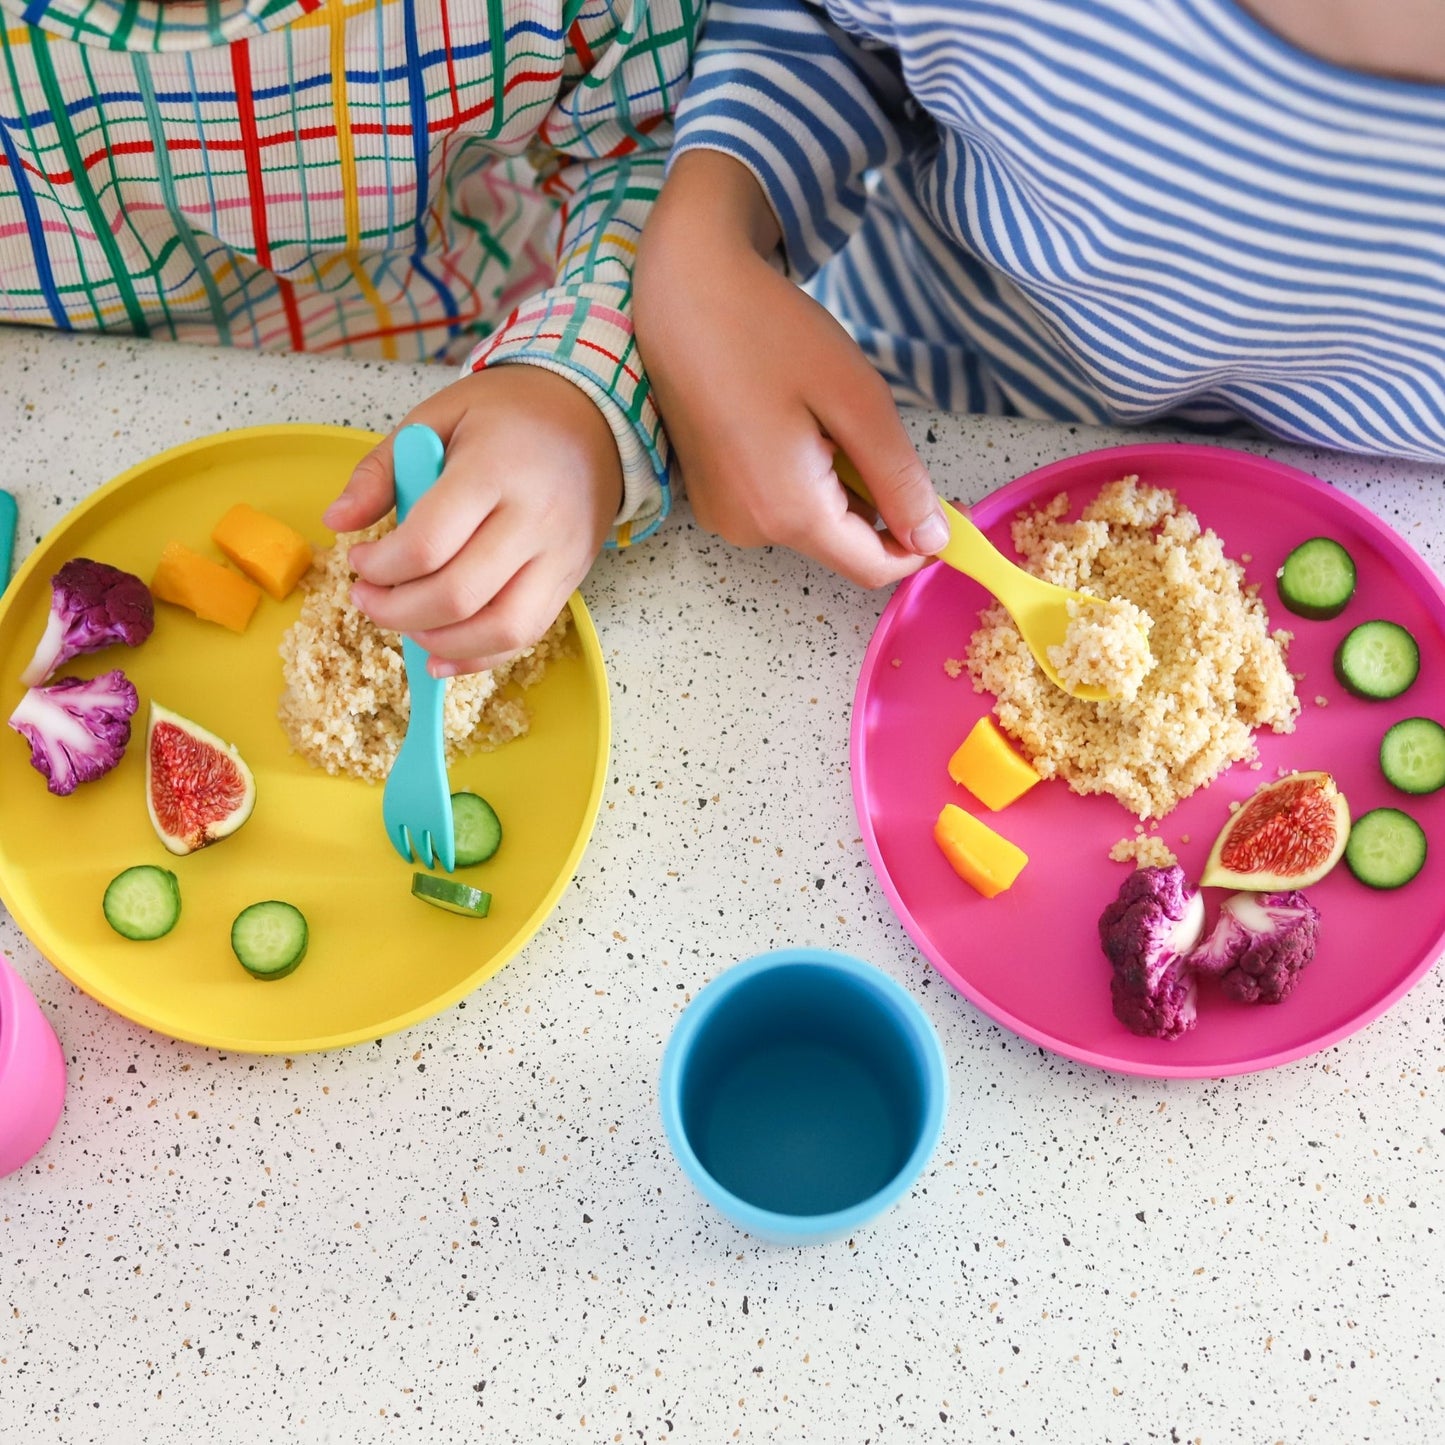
[
  {"x": 442, "y": 669},
  {"x": 334, "y": 512},
  {"x": 931, "y": 534}
]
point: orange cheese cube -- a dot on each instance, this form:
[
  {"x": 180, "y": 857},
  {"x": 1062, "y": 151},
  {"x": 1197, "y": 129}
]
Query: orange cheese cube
[
  {"x": 989, "y": 767},
  {"x": 264, "y": 548},
  {"x": 213, "y": 592},
  {"x": 978, "y": 855}
]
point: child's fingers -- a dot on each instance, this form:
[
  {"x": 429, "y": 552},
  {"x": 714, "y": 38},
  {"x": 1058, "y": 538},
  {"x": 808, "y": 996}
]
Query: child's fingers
[
  {"x": 371, "y": 491},
  {"x": 368, "y": 495},
  {"x": 436, "y": 529},
  {"x": 458, "y": 590},
  {"x": 849, "y": 544},
  {"x": 514, "y": 619},
  {"x": 862, "y": 418}
]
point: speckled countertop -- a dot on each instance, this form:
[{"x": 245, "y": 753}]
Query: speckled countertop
[{"x": 474, "y": 1231}]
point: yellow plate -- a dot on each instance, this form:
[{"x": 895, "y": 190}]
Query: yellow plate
[{"x": 379, "y": 959}]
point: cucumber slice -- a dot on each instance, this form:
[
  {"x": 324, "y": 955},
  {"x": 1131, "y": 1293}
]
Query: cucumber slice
[
  {"x": 476, "y": 827},
  {"x": 142, "y": 903},
  {"x": 1317, "y": 579},
  {"x": 1386, "y": 848},
  {"x": 1412, "y": 755},
  {"x": 270, "y": 938},
  {"x": 1377, "y": 660},
  {"x": 454, "y": 897}
]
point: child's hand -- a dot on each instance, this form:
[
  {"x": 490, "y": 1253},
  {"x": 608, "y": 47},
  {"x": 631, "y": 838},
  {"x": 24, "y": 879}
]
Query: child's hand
[
  {"x": 758, "y": 387},
  {"x": 488, "y": 557}
]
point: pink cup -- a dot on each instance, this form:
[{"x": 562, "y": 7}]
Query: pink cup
[{"x": 32, "y": 1073}]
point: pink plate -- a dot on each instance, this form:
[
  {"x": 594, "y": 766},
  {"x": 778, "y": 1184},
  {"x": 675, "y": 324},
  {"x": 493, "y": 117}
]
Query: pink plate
[{"x": 1030, "y": 958}]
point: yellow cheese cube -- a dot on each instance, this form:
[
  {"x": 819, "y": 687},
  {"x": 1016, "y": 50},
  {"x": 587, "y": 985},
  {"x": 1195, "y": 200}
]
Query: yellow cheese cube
[
  {"x": 978, "y": 855},
  {"x": 987, "y": 765}
]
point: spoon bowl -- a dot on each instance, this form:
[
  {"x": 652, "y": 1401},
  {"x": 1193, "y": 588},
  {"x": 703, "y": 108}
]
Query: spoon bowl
[{"x": 1040, "y": 609}]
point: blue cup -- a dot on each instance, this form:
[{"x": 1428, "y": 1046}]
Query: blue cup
[{"x": 802, "y": 1092}]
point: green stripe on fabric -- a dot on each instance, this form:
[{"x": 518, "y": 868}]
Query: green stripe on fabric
[
  {"x": 497, "y": 27},
  {"x": 298, "y": 147},
  {"x": 130, "y": 12},
  {"x": 167, "y": 180},
  {"x": 156, "y": 262},
  {"x": 573, "y": 329},
  {"x": 36, "y": 150},
  {"x": 45, "y": 70}
]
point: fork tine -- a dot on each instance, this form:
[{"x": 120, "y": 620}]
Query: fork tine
[{"x": 426, "y": 852}]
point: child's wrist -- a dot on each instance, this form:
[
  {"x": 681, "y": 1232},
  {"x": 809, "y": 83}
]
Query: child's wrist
[{"x": 718, "y": 194}]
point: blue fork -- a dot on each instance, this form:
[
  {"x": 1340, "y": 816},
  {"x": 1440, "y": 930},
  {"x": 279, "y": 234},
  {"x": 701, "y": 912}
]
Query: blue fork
[{"x": 417, "y": 803}]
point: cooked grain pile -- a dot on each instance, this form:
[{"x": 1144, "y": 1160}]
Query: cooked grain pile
[
  {"x": 345, "y": 704},
  {"x": 1106, "y": 644},
  {"x": 1219, "y": 672}
]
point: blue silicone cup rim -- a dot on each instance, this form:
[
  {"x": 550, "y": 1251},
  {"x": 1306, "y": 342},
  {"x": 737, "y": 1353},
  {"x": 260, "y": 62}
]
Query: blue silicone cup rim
[{"x": 802, "y": 1229}]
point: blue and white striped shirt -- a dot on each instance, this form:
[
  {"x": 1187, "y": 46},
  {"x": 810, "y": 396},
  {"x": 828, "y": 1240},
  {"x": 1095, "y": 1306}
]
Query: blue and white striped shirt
[{"x": 1100, "y": 210}]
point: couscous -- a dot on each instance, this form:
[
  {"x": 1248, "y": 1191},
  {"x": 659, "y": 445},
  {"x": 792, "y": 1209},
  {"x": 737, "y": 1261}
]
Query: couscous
[
  {"x": 1144, "y": 852},
  {"x": 1105, "y": 645},
  {"x": 345, "y": 704},
  {"x": 1219, "y": 671}
]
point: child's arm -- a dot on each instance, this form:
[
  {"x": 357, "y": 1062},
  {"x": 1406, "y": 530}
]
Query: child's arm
[
  {"x": 553, "y": 439},
  {"x": 757, "y": 382}
]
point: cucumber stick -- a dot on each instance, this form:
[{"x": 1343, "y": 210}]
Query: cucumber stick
[{"x": 143, "y": 903}]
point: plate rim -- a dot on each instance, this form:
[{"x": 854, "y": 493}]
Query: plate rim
[
  {"x": 999, "y": 501},
  {"x": 591, "y": 651}
]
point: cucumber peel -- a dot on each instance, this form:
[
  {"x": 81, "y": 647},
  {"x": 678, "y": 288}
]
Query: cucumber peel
[
  {"x": 454, "y": 897},
  {"x": 142, "y": 903},
  {"x": 270, "y": 939},
  {"x": 476, "y": 828}
]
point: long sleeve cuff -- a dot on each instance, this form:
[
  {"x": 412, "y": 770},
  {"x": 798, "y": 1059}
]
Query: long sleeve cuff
[{"x": 578, "y": 332}]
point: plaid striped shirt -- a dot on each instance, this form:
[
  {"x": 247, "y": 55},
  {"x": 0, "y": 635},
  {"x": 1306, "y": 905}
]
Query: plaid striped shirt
[{"x": 414, "y": 179}]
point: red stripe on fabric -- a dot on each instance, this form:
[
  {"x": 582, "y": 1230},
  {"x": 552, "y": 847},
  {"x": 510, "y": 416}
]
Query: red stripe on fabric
[
  {"x": 495, "y": 340},
  {"x": 251, "y": 146},
  {"x": 252, "y": 140},
  {"x": 59, "y": 178},
  {"x": 612, "y": 356},
  {"x": 447, "y": 46},
  {"x": 578, "y": 42},
  {"x": 256, "y": 188}
]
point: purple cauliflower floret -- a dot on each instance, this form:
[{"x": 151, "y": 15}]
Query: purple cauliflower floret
[
  {"x": 92, "y": 605},
  {"x": 77, "y": 727},
  {"x": 1146, "y": 933},
  {"x": 1260, "y": 945}
]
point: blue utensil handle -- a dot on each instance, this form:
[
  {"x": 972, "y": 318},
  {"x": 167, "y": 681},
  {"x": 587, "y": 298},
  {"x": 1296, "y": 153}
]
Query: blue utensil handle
[
  {"x": 9, "y": 519},
  {"x": 417, "y": 457},
  {"x": 428, "y": 696}
]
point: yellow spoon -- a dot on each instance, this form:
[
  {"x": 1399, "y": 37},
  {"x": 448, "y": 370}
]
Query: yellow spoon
[{"x": 1040, "y": 609}]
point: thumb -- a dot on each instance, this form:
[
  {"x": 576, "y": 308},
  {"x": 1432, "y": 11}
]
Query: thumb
[
  {"x": 871, "y": 433},
  {"x": 368, "y": 496}
]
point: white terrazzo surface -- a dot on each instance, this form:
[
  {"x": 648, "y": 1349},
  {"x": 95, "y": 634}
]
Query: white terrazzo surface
[{"x": 474, "y": 1230}]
